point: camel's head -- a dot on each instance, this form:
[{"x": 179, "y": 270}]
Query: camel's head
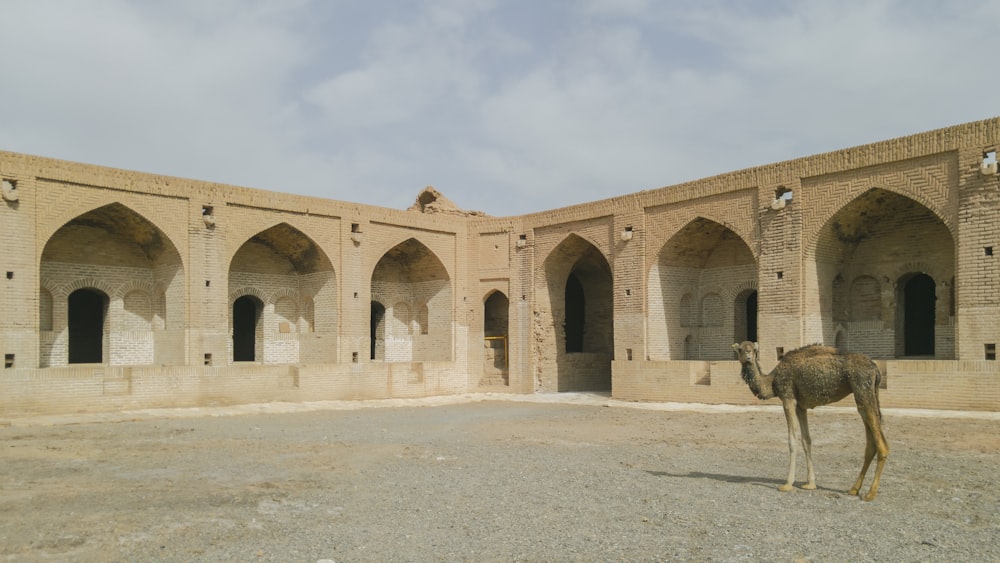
[{"x": 746, "y": 351}]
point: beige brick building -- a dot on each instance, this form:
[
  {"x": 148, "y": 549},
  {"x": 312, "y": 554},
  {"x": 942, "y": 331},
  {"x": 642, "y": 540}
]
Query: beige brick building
[{"x": 127, "y": 290}]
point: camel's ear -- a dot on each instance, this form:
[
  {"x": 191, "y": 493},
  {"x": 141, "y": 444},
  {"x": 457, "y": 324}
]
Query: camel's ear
[
  {"x": 736, "y": 346},
  {"x": 756, "y": 348}
]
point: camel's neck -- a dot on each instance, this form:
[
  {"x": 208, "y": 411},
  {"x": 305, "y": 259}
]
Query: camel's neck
[{"x": 761, "y": 385}]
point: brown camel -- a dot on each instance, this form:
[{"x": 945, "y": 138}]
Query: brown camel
[{"x": 819, "y": 375}]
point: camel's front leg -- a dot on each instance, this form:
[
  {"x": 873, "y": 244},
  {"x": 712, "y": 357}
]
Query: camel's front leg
[
  {"x": 803, "y": 417},
  {"x": 793, "y": 437}
]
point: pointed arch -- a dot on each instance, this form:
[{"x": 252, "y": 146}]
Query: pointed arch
[
  {"x": 121, "y": 220},
  {"x": 924, "y": 185},
  {"x": 412, "y": 246}
]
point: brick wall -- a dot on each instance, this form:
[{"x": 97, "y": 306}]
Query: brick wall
[{"x": 828, "y": 245}]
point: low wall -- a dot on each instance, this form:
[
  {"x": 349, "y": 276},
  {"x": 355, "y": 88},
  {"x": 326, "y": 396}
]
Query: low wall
[
  {"x": 930, "y": 384},
  {"x": 926, "y": 384},
  {"x": 110, "y": 388}
]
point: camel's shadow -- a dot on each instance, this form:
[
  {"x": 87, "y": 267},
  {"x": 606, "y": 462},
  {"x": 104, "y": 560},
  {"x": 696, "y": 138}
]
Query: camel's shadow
[{"x": 740, "y": 479}]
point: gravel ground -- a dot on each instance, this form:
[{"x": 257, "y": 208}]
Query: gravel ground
[{"x": 486, "y": 478}]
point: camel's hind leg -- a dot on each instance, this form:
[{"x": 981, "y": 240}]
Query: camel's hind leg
[
  {"x": 869, "y": 456},
  {"x": 875, "y": 444},
  {"x": 882, "y": 451}
]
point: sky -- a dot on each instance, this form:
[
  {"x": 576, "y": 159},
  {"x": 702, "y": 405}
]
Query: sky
[{"x": 504, "y": 106}]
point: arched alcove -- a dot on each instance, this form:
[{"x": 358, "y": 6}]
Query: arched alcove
[
  {"x": 129, "y": 255},
  {"x": 298, "y": 283},
  {"x": 410, "y": 275},
  {"x": 863, "y": 260},
  {"x": 691, "y": 310},
  {"x": 580, "y": 284}
]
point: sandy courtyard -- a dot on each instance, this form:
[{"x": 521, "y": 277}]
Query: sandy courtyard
[{"x": 571, "y": 477}]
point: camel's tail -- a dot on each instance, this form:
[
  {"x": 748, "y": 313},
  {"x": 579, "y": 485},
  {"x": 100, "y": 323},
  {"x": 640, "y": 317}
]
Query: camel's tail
[{"x": 878, "y": 384}]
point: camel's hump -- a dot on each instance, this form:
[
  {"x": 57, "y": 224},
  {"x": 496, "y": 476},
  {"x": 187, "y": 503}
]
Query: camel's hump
[{"x": 810, "y": 351}]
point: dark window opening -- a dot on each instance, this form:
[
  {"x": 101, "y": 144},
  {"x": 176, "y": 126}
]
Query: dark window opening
[
  {"x": 918, "y": 316},
  {"x": 87, "y": 308},
  {"x": 752, "y": 317},
  {"x": 991, "y": 351},
  {"x": 377, "y": 330},
  {"x": 575, "y": 315}
]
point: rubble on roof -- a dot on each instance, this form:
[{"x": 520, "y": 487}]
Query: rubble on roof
[{"x": 429, "y": 200}]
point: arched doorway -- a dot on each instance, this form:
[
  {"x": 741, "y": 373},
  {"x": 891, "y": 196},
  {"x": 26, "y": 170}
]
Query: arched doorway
[
  {"x": 377, "y": 330},
  {"x": 495, "y": 324},
  {"x": 918, "y": 311},
  {"x": 246, "y": 314},
  {"x": 746, "y": 316},
  {"x": 86, "y": 314}
]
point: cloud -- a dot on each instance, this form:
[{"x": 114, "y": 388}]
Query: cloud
[
  {"x": 509, "y": 107},
  {"x": 113, "y": 84}
]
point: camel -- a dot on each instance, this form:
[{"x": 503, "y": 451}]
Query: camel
[{"x": 819, "y": 375}]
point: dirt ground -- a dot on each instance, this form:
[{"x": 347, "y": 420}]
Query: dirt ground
[{"x": 572, "y": 477}]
